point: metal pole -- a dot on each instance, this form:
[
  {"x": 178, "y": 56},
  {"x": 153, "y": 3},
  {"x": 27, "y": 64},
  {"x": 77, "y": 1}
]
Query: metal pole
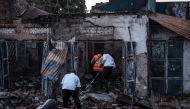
[
  {"x": 134, "y": 62},
  {"x": 90, "y": 83},
  {"x": 47, "y": 39}
]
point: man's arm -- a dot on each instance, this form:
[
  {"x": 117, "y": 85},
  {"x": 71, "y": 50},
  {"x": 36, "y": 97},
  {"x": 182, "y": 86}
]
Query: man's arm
[
  {"x": 78, "y": 88},
  {"x": 114, "y": 66},
  {"x": 103, "y": 59}
]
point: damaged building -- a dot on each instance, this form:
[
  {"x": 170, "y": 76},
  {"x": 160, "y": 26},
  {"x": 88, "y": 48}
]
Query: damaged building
[{"x": 148, "y": 40}]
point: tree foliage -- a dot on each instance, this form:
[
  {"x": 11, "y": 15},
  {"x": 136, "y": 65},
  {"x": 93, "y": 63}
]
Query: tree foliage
[{"x": 63, "y": 6}]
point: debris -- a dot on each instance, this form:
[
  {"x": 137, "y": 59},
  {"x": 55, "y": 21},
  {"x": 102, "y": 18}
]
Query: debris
[
  {"x": 114, "y": 105},
  {"x": 171, "y": 103},
  {"x": 124, "y": 98},
  {"x": 5, "y": 94},
  {"x": 1, "y": 106},
  {"x": 83, "y": 97},
  {"x": 184, "y": 104},
  {"x": 7, "y": 107},
  {"x": 103, "y": 97},
  {"x": 88, "y": 76},
  {"x": 127, "y": 99},
  {"x": 16, "y": 85},
  {"x": 49, "y": 104},
  {"x": 36, "y": 98}
]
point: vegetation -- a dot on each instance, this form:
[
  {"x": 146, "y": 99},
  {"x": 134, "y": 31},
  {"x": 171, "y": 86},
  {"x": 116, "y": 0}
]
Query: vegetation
[{"x": 63, "y": 6}]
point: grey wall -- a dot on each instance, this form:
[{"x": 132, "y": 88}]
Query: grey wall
[
  {"x": 186, "y": 67},
  {"x": 141, "y": 78}
]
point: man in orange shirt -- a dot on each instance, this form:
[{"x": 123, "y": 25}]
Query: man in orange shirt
[{"x": 97, "y": 70}]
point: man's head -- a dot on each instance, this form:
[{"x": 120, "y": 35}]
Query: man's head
[
  {"x": 106, "y": 51},
  {"x": 99, "y": 52},
  {"x": 73, "y": 71}
]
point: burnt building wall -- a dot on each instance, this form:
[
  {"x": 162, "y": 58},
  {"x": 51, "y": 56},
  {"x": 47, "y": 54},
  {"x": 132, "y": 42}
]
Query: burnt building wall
[
  {"x": 116, "y": 27},
  {"x": 173, "y": 52},
  {"x": 23, "y": 30},
  {"x": 26, "y": 59},
  {"x": 111, "y": 30}
]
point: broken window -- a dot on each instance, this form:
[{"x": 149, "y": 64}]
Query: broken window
[
  {"x": 166, "y": 66},
  {"x": 4, "y": 78},
  {"x": 12, "y": 51}
]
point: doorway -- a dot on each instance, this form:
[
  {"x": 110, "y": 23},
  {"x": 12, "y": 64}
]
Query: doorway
[{"x": 86, "y": 51}]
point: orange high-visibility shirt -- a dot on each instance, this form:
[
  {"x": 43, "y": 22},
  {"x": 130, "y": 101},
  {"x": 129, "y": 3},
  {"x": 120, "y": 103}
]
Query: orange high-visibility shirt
[{"x": 98, "y": 62}]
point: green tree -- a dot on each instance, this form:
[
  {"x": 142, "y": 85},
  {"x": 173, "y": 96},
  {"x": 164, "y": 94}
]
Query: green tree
[{"x": 63, "y": 6}]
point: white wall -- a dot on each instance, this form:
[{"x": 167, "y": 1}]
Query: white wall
[{"x": 121, "y": 23}]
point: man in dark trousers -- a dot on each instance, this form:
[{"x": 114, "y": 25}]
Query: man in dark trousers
[
  {"x": 109, "y": 65},
  {"x": 70, "y": 84},
  {"x": 97, "y": 70}
]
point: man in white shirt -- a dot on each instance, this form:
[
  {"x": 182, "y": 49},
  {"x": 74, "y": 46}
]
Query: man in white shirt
[
  {"x": 109, "y": 65},
  {"x": 70, "y": 83}
]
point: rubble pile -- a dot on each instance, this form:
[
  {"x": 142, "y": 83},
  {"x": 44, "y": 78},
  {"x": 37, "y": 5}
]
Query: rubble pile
[
  {"x": 103, "y": 100},
  {"x": 24, "y": 93}
]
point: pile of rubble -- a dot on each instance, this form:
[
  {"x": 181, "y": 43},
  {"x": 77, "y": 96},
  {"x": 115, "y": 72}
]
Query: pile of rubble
[
  {"x": 23, "y": 94},
  {"x": 102, "y": 100},
  {"x": 21, "y": 100}
]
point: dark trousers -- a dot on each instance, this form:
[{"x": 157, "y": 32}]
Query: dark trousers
[
  {"x": 106, "y": 75},
  {"x": 98, "y": 77},
  {"x": 66, "y": 94}
]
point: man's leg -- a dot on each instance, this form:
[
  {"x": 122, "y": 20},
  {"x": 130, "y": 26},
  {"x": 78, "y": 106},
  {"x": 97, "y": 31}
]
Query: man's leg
[
  {"x": 109, "y": 72},
  {"x": 100, "y": 80},
  {"x": 65, "y": 95},
  {"x": 75, "y": 96},
  {"x": 95, "y": 73},
  {"x": 104, "y": 77}
]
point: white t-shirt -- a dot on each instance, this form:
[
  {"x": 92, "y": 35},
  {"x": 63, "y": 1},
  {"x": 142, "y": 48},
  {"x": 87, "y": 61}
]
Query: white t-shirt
[
  {"x": 70, "y": 81},
  {"x": 108, "y": 60}
]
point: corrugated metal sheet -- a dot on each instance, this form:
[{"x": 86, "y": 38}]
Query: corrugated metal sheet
[
  {"x": 162, "y": 101},
  {"x": 178, "y": 25},
  {"x": 128, "y": 5},
  {"x": 54, "y": 61},
  {"x": 32, "y": 13}
]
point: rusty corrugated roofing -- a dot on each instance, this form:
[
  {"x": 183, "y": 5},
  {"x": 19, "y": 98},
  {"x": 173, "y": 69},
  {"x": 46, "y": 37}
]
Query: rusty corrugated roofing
[
  {"x": 32, "y": 13},
  {"x": 178, "y": 25},
  {"x": 54, "y": 61}
]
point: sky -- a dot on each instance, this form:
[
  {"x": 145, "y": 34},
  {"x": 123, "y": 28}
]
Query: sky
[{"x": 90, "y": 3}]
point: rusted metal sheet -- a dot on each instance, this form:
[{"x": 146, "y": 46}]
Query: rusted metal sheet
[
  {"x": 167, "y": 104},
  {"x": 162, "y": 101},
  {"x": 54, "y": 61},
  {"x": 32, "y": 13},
  {"x": 127, "y": 99},
  {"x": 178, "y": 25}
]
